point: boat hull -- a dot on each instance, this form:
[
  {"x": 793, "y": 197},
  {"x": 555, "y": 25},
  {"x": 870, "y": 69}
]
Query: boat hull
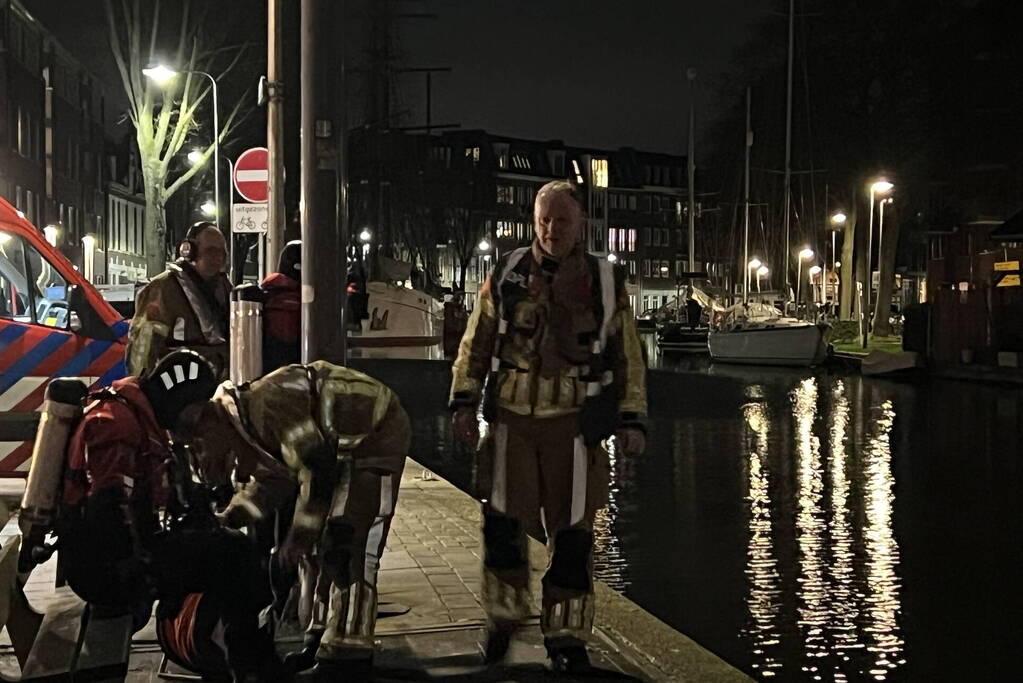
[
  {"x": 676, "y": 337},
  {"x": 402, "y": 323},
  {"x": 791, "y": 345}
]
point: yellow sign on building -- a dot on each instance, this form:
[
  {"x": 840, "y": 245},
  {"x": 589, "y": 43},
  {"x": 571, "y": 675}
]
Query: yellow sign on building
[
  {"x": 1006, "y": 265},
  {"x": 1011, "y": 280}
]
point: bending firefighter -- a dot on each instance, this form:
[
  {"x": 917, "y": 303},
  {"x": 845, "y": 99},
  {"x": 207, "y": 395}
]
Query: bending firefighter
[
  {"x": 344, "y": 436},
  {"x": 553, "y": 340}
]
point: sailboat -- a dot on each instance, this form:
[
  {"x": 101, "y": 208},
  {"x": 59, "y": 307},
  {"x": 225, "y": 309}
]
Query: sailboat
[{"x": 756, "y": 333}]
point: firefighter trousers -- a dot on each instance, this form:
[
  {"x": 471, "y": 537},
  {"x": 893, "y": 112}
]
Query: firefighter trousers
[
  {"x": 543, "y": 482},
  {"x": 339, "y": 581}
]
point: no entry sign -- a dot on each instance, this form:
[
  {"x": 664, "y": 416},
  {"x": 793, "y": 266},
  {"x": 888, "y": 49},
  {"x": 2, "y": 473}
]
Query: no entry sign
[{"x": 252, "y": 174}]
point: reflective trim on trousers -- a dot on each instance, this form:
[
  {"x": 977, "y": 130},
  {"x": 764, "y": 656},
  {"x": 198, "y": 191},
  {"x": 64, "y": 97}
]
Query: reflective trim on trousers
[
  {"x": 375, "y": 539},
  {"x": 499, "y": 485},
  {"x": 502, "y": 601},
  {"x": 572, "y": 617},
  {"x": 580, "y": 465},
  {"x": 351, "y": 621}
]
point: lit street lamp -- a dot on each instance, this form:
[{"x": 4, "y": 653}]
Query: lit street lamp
[
  {"x": 805, "y": 255},
  {"x": 762, "y": 271},
  {"x": 753, "y": 264},
  {"x": 484, "y": 245},
  {"x": 209, "y": 208},
  {"x": 814, "y": 272},
  {"x": 877, "y": 187},
  {"x": 162, "y": 75},
  {"x": 365, "y": 235},
  {"x": 838, "y": 220},
  {"x": 612, "y": 258}
]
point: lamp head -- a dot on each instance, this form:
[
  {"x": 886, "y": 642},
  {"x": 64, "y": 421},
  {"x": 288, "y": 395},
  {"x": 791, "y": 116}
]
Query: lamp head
[
  {"x": 806, "y": 254},
  {"x": 160, "y": 74}
]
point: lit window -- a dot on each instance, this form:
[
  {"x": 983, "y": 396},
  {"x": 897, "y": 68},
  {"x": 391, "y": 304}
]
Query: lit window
[
  {"x": 632, "y": 239},
  {"x": 598, "y": 169}
]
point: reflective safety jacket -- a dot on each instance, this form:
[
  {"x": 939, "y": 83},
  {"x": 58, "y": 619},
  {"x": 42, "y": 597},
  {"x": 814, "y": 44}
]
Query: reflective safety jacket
[
  {"x": 552, "y": 312},
  {"x": 299, "y": 420},
  {"x": 176, "y": 309}
]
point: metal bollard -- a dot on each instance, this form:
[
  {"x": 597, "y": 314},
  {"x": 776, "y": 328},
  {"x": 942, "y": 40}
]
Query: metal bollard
[{"x": 246, "y": 333}]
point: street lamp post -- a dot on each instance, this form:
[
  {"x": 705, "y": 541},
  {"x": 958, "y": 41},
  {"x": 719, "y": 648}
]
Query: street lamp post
[
  {"x": 812, "y": 273},
  {"x": 753, "y": 264},
  {"x": 762, "y": 271},
  {"x": 805, "y": 255},
  {"x": 880, "y": 186},
  {"x": 838, "y": 220},
  {"x": 194, "y": 157}
]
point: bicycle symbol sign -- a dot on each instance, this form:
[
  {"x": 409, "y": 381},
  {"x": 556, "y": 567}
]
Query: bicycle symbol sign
[{"x": 250, "y": 217}]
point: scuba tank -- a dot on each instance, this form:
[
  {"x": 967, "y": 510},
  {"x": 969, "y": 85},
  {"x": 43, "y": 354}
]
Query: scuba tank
[{"x": 62, "y": 409}]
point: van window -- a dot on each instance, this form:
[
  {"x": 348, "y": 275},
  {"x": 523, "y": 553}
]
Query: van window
[
  {"x": 15, "y": 294},
  {"x": 49, "y": 291}
]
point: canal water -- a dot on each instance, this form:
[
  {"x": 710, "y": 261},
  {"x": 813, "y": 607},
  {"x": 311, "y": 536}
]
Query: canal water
[{"x": 818, "y": 525}]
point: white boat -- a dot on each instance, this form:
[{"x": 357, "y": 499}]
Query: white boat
[
  {"x": 400, "y": 323},
  {"x": 758, "y": 334}
]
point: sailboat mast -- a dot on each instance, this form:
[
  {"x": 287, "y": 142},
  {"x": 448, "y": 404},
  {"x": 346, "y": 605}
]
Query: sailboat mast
[
  {"x": 691, "y": 173},
  {"x": 788, "y": 147},
  {"x": 745, "y": 201}
]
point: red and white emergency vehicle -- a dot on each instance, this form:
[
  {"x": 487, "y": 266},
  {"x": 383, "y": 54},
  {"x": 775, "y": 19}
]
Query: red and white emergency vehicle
[{"x": 53, "y": 323}]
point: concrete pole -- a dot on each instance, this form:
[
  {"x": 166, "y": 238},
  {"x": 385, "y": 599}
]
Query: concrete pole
[
  {"x": 324, "y": 262},
  {"x": 691, "y": 172},
  {"x": 275, "y": 132}
]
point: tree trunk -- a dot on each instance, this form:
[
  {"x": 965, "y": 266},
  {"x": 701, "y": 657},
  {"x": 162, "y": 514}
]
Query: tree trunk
[
  {"x": 156, "y": 231},
  {"x": 847, "y": 278},
  {"x": 886, "y": 275}
]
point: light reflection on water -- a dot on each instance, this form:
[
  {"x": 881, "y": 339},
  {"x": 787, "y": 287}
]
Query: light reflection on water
[
  {"x": 763, "y": 592},
  {"x": 846, "y": 592}
]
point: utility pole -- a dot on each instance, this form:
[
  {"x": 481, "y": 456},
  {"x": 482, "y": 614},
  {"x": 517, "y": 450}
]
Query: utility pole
[
  {"x": 745, "y": 197},
  {"x": 788, "y": 147},
  {"x": 275, "y": 133},
  {"x": 324, "y": 257},
  {"x": 691, "y": 171}
]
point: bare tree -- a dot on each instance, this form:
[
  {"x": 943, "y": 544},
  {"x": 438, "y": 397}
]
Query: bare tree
[{"x": 163, "y": 117}]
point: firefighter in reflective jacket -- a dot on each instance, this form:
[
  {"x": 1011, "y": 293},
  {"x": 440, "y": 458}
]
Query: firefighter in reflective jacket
[
  {"x": 187, "y": 305},
  {"x": 554, "y": 341},
  {"x": 344, "y": 436},
  {"x": 114, "y": 547}
]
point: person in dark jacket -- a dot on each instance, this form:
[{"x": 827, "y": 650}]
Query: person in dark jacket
[{"x": 282, "y": 310}]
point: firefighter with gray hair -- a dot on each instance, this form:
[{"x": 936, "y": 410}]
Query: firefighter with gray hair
[{"x": 552, "y": 353}]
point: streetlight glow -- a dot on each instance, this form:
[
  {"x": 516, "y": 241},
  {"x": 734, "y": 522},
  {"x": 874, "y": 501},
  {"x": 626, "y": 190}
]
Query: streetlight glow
[
  {"x": 838, "y": 218},
  {"x": 612, "y": 258},
  {"x": 365, "y": 235},
  {"x": 160, "y": 74},
  {"x": 763, "y": 271},
  {"x": 209, "y": 208},
  {"x": 50, "y": 232},
  {"x": 194, "y": 157},
  {"x": 881, "y": 186},
  {"x": 754, "y": 263},
  {"x": 484, "y": 245},
  {"x": 814, "y": 271},
  {"x": 806, "y": 254}
]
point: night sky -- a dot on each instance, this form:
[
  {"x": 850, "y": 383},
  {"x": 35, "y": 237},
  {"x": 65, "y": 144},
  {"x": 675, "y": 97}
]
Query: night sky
[{"x": 603, "y": 73}]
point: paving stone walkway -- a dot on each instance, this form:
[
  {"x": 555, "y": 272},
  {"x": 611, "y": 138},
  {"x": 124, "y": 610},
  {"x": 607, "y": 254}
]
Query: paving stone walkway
[{"x": 431, "y": 626}]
